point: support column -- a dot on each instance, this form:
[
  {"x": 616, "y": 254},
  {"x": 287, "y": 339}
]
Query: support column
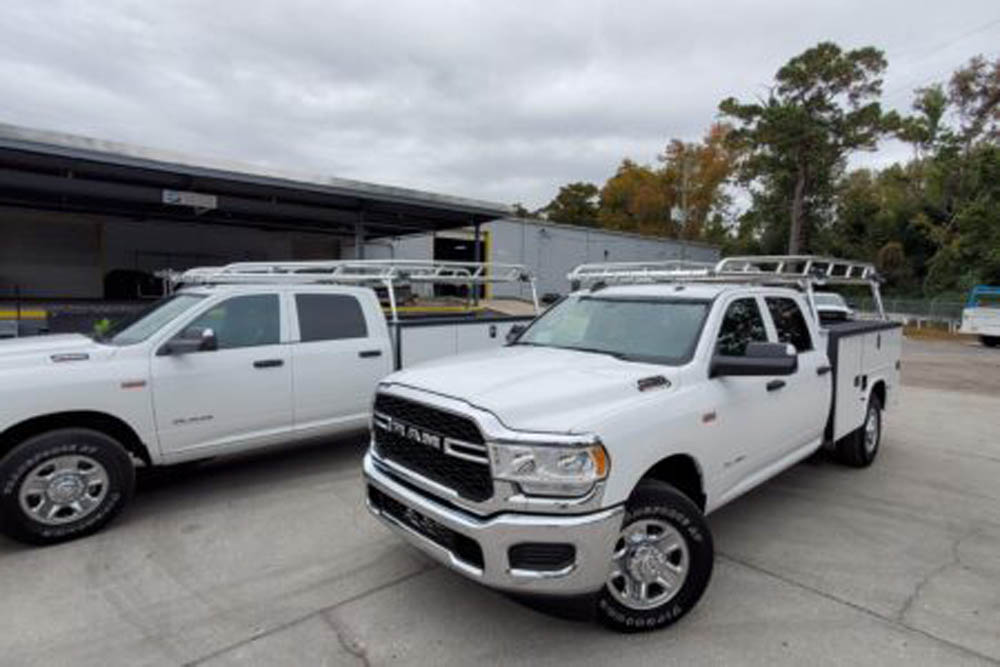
[
  {"x": 359, "y": 236},
  {"x": 478, "y": 245}
]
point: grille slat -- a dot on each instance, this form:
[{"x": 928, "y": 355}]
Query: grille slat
[{"x": 470, "y": 479}]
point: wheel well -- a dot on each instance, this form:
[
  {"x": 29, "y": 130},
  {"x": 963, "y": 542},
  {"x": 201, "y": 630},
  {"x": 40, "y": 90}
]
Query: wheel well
[
  {"x": 878, "y": 389},
  {"x": 97, "y": 421},
  {"x": 680, "y": 471}
]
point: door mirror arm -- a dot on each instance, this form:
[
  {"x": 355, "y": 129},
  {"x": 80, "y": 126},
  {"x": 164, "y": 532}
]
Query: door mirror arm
[
  {"x": 515, "y": 333},
  {"x": 190, "y": 340}
]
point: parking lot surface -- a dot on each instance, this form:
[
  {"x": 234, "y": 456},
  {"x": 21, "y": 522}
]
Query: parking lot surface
[{"x": 273, "y": 560}]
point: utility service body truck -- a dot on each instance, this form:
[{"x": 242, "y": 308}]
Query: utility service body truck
[
  {"x": 240, "y": 357},
  {"x": 981, "y": 315},
  {"x": 583, "y": 457}
]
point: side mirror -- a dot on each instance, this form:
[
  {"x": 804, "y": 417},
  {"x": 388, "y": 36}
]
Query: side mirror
[
  {"x": 190, "y": 340},
  {"x": 760, "y": 359},
  {"x": 515, "y": 333}
]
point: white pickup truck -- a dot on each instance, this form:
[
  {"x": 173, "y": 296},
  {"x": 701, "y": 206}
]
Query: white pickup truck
[
  {"x": 583, "y": 457},
  {"x": 243, "y": 357}
]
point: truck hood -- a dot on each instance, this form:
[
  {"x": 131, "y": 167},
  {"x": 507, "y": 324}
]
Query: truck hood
[
  {"x": 39, "y": 350},
  {"x": 535, "y": 388}
]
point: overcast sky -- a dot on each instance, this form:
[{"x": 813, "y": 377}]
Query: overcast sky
[{"x": 500, "y": 100}]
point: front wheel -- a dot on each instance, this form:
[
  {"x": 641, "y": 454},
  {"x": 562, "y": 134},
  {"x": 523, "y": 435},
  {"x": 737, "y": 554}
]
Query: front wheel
[
  {"x": 662, "y": 561},
  {"x": 63, "y": 484},
  {"x": 990, "y": 341}
]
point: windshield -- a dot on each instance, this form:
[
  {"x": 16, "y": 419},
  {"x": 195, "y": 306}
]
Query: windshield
[
  {"x": 143, "y": 324},
  {"x": 829, "y": 299},
  {"x": 653, "y": 330}
]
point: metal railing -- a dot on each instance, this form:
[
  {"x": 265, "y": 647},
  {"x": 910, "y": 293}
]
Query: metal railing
[
  {"x": 389, "y": 273},
  {"x": 805, "y": 272}
]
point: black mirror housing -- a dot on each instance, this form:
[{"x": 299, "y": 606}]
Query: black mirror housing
[
  {"x": 515, "y": 333},
  {"x": 761, "y": 359},
  {"x": 190, "y": 340}
]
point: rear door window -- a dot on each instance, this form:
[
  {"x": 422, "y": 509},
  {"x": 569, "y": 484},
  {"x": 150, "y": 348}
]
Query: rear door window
[
  {"x": 741, "y": 325},
  {"x": 789, "y": 322},
  {"x": 329, "y": 317}
]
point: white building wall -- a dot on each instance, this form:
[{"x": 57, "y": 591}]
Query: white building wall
[{"x": 551, "y": 251}]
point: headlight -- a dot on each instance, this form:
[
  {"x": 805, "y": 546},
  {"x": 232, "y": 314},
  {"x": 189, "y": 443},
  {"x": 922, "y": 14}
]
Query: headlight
[{"x": 550, "y": 469}]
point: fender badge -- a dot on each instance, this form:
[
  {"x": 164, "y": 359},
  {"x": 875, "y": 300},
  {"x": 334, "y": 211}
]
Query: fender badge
[
  {"x": 652, "y": 382},
  {"x": 71, "y": 356}
]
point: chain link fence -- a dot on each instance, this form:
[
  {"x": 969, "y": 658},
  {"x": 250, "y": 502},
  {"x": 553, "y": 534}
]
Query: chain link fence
[{"x": 935, "y": 310}]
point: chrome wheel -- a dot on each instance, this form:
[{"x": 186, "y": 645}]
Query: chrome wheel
[
  {"x": 873, "y": 425},
  {"x": 650, "y": 564},
  {"x": 63, "y": 489}
]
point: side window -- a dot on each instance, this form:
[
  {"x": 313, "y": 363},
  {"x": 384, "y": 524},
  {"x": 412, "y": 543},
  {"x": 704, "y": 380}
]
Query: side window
[
  {"x": 741, "y": 324},
  {"x": 243, "y": 321},
  {"x": 329, "y": 317},
  {"x": 789, "y": 322}
]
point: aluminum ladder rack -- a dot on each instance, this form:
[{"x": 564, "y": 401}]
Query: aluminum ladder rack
[
  {"x": 802, "y": 271},
  {"x": 374, "y": 272}
]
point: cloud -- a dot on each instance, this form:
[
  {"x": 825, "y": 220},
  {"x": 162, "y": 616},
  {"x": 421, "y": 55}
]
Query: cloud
[{"x": 503, "y": 101}]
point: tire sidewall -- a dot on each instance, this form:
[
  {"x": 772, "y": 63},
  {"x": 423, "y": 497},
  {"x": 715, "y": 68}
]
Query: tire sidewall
[
  {"x": 874, "y": 409},
  {"x": 15, "y": 467},
  {"x": 669, "y": 505}
]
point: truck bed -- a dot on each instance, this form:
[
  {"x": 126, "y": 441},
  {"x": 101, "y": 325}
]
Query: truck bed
[
  {"x": 861, "y": 352},
  {"x": 424, "y": 338}
]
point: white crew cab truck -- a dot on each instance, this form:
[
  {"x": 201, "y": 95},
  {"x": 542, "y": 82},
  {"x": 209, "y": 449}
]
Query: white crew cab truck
[
  {"x": 243, "y": 356},
  {"x": 583, "y": 457}
]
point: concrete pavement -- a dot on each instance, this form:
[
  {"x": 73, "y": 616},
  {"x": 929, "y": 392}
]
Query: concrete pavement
[{"x": 273, "y": 560}]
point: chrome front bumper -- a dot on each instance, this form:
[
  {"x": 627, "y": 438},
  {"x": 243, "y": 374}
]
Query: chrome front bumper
[{"x": 593, "y": 535}]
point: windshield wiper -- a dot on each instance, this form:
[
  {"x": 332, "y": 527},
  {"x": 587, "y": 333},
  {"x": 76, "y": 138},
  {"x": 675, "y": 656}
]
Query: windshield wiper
[{"x": 597, "y": 350}]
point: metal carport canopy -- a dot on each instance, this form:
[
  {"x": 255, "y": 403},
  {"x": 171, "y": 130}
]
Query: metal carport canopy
[{"x": 62, "y": 172}]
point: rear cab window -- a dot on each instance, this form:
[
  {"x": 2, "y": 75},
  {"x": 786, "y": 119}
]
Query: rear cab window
[
  {"x": 324, "y": 317},
  {"x": 789, "y": 322}
]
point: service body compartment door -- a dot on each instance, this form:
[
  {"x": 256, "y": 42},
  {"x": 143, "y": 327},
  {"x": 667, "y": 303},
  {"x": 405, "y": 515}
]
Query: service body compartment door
[
  {"x": 849, "y": 397},
  {"x": 882, "y": 349},
  {"x": 863, "y": 354}
]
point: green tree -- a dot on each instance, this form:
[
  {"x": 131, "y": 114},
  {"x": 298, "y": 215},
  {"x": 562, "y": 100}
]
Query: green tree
[
  {"x": 575, "y": 204},
  {"x": 794, "y": 144}
]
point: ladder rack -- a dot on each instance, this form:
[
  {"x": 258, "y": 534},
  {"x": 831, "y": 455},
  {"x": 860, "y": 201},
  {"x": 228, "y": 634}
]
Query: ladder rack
[
  {"x": 626, "y": 272},
  {"x": 802, "y": 271},
  {"x": 374, "y": 272}
]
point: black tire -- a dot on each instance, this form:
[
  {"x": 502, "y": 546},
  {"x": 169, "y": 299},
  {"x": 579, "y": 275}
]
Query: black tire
[
  {"x": 659, "y": 502},
  {"x": 990, "y": 341},
  {"x": 853, "y": 449},
  {"x": 106, "y": 476}
]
